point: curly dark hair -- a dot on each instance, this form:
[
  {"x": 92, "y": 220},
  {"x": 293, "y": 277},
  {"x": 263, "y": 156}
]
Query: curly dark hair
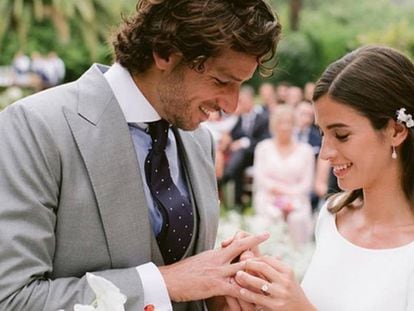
[
  {"x": 198, "y": 29},
  {"x": 376, "y": 81}
]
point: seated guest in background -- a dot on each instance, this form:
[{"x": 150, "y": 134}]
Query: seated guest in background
[
  {"x": 219, "y": 125},
  {"x": 294, "y": 95},
  {"x": 307, "y": 132},
  {"x": 305, "y": 129},
  {"x": 283, "y": 177},
  {"x": 267, "y": 96},
  {"x": 308, "y": 91},
  {"x": 251, "y": 127},
  {"x": 282, "y": 92},
  {"x": 364, "y": 258}
]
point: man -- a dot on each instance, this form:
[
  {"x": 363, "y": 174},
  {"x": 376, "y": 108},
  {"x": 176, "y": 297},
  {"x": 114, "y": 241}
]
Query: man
[
  {"x": 251, "y": 127},
  {"x": 77, "y": 185}
]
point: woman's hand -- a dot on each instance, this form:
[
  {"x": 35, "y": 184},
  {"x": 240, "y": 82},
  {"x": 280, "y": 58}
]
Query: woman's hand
[{"x": 276, "y": 288}]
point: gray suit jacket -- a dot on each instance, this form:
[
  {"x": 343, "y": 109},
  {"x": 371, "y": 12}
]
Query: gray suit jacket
[{"x": 72, "y": 200}]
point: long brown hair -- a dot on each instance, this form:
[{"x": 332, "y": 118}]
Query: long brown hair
[
  {"x": 198, "y": 29},
  {"x": 376, "y": 81}
]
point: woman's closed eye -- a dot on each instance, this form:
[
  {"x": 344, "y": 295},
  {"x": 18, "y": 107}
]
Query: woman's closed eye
[{"x": 341, "y": 137}]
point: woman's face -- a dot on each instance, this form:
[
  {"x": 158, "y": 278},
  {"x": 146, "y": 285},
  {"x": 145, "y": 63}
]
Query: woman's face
[
  {"x": 360, "y": 155},
  {"x": 283, "y": 126}
]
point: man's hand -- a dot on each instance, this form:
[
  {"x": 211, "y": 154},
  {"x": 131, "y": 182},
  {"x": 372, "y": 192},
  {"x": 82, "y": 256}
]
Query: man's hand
[
  {"x": 248, "y": 254},
  {"x": 210, "y": 273}
]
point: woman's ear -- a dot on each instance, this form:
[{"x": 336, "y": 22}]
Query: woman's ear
[{"x": 398, "y": 132}]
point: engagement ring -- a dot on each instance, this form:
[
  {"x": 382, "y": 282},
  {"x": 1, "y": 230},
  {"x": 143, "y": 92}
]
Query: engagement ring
[{"x": 265, "y": 289}]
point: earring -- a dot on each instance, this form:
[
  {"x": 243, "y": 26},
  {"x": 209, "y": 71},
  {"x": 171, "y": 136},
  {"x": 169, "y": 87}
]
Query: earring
[{"x": 394, "y": 153}]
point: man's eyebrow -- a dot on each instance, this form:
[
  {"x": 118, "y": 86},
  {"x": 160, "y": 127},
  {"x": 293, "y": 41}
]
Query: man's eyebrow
[{"x": 231, "y": 77}]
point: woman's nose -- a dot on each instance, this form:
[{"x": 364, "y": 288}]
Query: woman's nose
[{"x": 327, "y": 151}]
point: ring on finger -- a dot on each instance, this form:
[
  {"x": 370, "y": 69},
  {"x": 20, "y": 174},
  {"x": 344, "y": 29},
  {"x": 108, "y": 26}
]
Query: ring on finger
[{"x": 265, "y": 289}]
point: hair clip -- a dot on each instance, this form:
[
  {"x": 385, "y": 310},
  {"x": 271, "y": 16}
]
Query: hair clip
[{"x": 404, "y": 117}]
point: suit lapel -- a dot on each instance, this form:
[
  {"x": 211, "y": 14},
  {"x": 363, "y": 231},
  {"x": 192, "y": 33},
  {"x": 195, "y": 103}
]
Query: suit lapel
[
  {"x": 201, "y": 175},
  {"x": 104, "y": 141}
]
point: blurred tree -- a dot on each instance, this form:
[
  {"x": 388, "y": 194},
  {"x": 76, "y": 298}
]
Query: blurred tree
[
  {"x": 89, "y": 18},
  {"x": 295, "y": 7},
  {"x": 397, "y": 35}
]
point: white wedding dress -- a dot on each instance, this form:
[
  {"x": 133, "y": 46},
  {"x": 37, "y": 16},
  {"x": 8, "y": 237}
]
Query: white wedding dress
[{"x": 346, "y": 277}]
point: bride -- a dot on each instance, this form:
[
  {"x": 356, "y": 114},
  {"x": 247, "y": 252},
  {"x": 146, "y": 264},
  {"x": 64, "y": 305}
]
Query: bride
[{"x": 364, "y": 257}]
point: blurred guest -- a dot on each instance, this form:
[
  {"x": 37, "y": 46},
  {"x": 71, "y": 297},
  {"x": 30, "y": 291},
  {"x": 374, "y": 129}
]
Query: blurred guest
[
  {"x": 23, "y": 75},
  {"x": 305, "y": 129},
  {"x": 283, "y": 177},
  {"x": 54, "y": 69},
  {"x": 294, "y": 95},
  {"x": 267, "y": 96},
  {"x": 251, "y": 127},
  {"x": 306, "y": 132},
  {"x": 281, "y": 92},
  {"x": 21, "y": 63},
  {"x": 308, "y": 91},
  {"x": 219, "y": 125}
]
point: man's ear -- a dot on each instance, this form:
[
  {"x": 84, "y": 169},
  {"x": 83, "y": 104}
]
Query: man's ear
[
  {"x": 398, "y": 131},
  {"x": 166, "y": 63}
]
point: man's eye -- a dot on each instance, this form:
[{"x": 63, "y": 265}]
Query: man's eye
[{"x": 221, "y": 82}]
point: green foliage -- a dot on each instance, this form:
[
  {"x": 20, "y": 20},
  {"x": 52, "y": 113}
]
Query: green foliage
[{"x": 76, "y": 29}]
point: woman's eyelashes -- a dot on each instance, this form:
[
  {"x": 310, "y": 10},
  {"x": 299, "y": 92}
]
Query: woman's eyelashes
[{"x": 341, "y": 137}]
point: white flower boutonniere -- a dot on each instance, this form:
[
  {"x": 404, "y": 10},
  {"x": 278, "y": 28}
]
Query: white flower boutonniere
[{"x": 108, "y": 296}]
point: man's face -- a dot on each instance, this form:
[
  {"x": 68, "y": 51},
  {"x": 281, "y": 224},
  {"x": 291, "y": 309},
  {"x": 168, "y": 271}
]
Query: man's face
[{"x": 188, "y": 96}]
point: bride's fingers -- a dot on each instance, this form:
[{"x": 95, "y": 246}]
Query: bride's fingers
[
  {"x": 255, "y": 284},
  {"x": 277, "y": 264},
  {"x": 262, "y": 269},
  {"x": 254, "y": 298}
]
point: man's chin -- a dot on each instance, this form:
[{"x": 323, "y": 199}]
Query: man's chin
[
  {"x": 191, "y": 128},
  {"x": 186, "y": 126}
]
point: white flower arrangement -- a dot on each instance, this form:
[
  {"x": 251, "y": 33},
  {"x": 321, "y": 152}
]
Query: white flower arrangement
[
  {"x": 108, "y": 296},
  {"x": 404, "y": 117}
]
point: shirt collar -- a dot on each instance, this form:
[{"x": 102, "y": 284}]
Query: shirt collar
[{"x": 135, "y": 107}]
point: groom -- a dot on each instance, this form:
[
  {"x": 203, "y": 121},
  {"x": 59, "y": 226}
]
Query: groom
[{"x": 79, "y": 190}]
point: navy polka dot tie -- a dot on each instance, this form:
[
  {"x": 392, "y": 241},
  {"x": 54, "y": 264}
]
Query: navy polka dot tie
[{"x": 176, "y": 209}]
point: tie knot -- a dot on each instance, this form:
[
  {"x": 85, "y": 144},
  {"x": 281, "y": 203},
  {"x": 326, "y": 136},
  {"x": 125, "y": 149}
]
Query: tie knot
[{"x": 159, "y": 134}]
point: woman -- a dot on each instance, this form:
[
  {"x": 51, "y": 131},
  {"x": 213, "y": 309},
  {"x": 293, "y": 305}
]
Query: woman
[
  {"x": 364, "y": 259},
  {"x": 283, "y": 175}
]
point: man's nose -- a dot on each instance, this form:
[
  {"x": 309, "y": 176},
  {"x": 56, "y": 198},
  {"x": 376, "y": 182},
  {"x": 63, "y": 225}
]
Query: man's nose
[{"x": 228, "y": 102}]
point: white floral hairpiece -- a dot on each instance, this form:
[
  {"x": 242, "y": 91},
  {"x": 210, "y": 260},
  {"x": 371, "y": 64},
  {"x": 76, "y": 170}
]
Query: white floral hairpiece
[{"x": 404, "y": 117}]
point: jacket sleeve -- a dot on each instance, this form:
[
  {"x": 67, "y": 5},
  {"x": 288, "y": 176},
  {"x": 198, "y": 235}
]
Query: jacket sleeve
[{"x": 30, "y": 181}]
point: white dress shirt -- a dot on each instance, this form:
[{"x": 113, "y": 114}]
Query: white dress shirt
[{"x": 137, "y": 110}]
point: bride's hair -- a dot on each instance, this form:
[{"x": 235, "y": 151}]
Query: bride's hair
[{"x": 376, "y": 81}]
